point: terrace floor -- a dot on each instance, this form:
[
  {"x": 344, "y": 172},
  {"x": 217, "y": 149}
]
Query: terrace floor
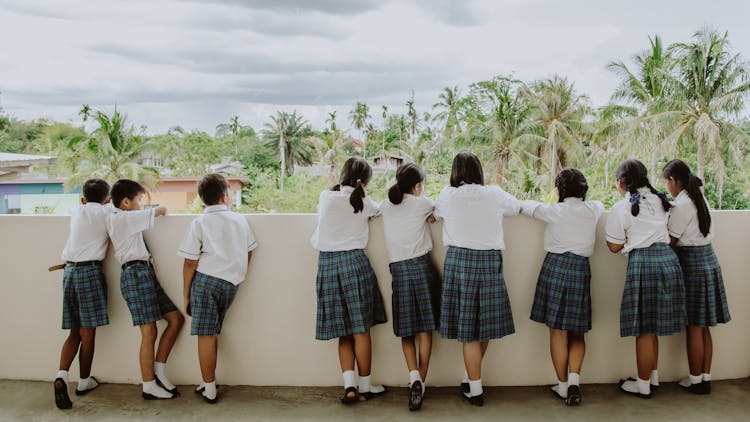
[{"x": 33, "y": 400}]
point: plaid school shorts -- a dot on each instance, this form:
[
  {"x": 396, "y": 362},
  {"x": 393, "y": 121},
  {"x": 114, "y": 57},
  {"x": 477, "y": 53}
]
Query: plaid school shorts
[
  {"x": 706, "y": 300},
  {"x": 145, "y": 297},
  {"x": 475, "y": 303},
  {"x": 210, "y": 298},
  {"x": 563, "y": 293},
  {"x": 84, "y": 297},
  {"x": 653, "y": 301},
  {"x": 416, "y": 296},
  {"x": 349, "y": 299}
]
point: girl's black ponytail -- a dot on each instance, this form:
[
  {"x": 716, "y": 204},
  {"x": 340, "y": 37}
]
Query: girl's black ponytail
[
  {"x": 679, "y": 171},
  {"x": 357, "y": 197},
  {"x": 635, "y": 200},
  {"x": 407, "y": 176},
  {"x": 663, "y": 196}
]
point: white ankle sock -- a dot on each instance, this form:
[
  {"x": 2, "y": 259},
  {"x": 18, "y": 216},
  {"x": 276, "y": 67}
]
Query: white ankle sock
[
  {"x": 150, "y": 387},
  {"x": 160, "y": 371},
  {"x": 414, "y": 376},
  {"x": 685, "y": 382},
  {"x": 210, "y": 390},
  {"x": 475, "y": 387},
  {"x": 573, "y": 378},
  {"x": 654, "y": 379},
  {"x": 561, "y": 389},
  {"x": 86, "y": 384},
  {"x": 640, "y": 386},
  {"x": 62, "y": 374},
  {"x": 364, "y": 384},
  {"x": 706, "y": 377},
  {"x": 465, "y": 379},
  {"x": 348, "y": 379},
  {"x": 644, "y": 386}
]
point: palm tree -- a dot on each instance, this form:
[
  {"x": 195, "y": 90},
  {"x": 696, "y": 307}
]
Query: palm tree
[
  {"x": 411, "y": 112},
  {"x": 448, "y": 105},
  {"x": 559, "y": 111},
  {"x": 710, "y": 89},
  {"x": 111, "y": 152},
  {"x": 358, "y": 116},
  {"x": 288, "y": 134},
  {"x": 85, "y": 113},
  {"x": 331, "y": 120},
  {"x": 331, "y": 146}
]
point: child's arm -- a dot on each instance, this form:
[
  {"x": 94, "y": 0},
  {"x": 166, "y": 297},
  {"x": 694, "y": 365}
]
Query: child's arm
[
  {"x": 188, "y": 272},
  {"x": 249, "y": 256},
  {"x": 160, "y": 211}
]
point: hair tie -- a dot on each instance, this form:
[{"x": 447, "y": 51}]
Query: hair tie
[
  {"x": 359, "y": 181},
  {"x": 634, "y": 198}
]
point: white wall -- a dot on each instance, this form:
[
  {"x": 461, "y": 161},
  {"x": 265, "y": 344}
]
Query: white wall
[{"x": 268, "y": 336}]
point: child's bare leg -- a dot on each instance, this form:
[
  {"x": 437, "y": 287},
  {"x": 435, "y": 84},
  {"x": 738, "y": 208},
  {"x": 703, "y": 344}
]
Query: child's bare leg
[
  {"x": 410, "y": 352},
  {"x": 346, "y": 358},
  {"x": 484, "y": 345},
  {"x": 175, "y": 320},
  {"x": 86, "y": 355},
  {"x": 473, "y": 359},
  {"x": 558, "y": 349},
  {"x": 646, "y": 355},
  {"x": 695, "y": 349},
  {"x": 425, "y": 351},
  {"x": 576, "y": 351},
  {"x": 69, "y": 349},
  {"x": 708, "y": 347},
  {"x": 146, "y": 356},
  {"x": 207, "y": 351},
  {"x": 363, "y": 353}
]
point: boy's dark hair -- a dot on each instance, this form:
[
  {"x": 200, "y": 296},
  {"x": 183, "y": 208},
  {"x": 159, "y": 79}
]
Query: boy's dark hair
[
  {"x": 125, "y": 188},
  {"x": 407, "y": 176},
  {"x": 95, "y": 190},
  {"x": 356, "y": 173},
  {"x": 679, "y": 171},
  {"x": 212, "y": 187},
  {"x": 635, "y": 176},
  {"x": 571, "y": 183},
  {"x": 466, "y": 170}
]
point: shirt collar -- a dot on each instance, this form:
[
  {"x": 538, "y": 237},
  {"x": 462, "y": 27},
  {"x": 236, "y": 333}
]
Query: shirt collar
[
  {"x": 346, "y": 189},
  {"x": 93, "y": 204},
  {"x": 572, "y": 199},
  {"x": 215, "y": 208},
  {"x": 683, "y": 193}
]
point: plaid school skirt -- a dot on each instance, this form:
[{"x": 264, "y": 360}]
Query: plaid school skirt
[
  {"x": 653, "y": 301},
  {"x": 349, "y": 299},
  {"x": 84, "y": 297},
  {"x": 475, "y": 304},
  {"x": 210, "y": 298},
  {"x": 416, "y": 296},
  {"x": 705, "y": 298},
  {"x": 145, "y": 297},
  {"x": 563, "y": 296}
]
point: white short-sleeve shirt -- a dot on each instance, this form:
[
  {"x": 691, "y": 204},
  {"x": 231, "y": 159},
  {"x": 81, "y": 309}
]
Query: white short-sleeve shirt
[
  {"x": 126, "y": 231},
  {"x": 88, "y": 236},
  {"x": 571, "y": 224},
  {"x": 219, "y": 240},
  {"x": 473, "y": 215},
  {"x": 641, "y": 231},
  {"x": 683, "y": 223},
  {"x": 339, "y": 228},
  {"x": 407, "y": 232}
]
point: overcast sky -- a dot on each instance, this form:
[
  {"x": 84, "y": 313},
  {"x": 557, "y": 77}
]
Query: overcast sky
[{"x": 197, "y": 63}]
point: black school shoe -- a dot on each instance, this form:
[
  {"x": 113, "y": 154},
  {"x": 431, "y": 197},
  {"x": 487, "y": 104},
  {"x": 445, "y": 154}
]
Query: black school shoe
[
  {"x": 701, "y": 389},
  {"x": 159, "y": 383},
  {"x": 574, "y": 395},
  {"x": 62, "y": 400},
  {"x": 639, "y": 395},
  {"x": 415, "y": 396},
  {"x": 475, "y": 400},
  {"x": 88, "y": 390}
]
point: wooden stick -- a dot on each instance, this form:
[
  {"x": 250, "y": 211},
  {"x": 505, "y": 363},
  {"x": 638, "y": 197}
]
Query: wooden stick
[{"x": 56, "y": 267}]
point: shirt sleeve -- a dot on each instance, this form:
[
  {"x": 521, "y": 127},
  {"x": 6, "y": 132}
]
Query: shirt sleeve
[
  {"x": 251, "y": 242},
  {"x": 679, "y": 219},
  {"x": 540, "y": 211},
  {"x": 440, "y": 205},
  {"x": 426, "y": 206},
  {"x": 615, "y": 228},
  {"x": 598, "y": 209},
  {"x": 192, "y": 243},
  {"x": 371, "y": 208},
  {"x": 508, "y": 203},
  {"x": 134, "y": 222}
]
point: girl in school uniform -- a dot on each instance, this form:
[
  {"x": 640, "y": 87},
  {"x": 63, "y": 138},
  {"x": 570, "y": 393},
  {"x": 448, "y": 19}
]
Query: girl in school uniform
[
  {"x": 349, "y": 299},
  {"x": 563, "y": 300},
  {"x": 475, "y": 306},
  {"x": 416, "y": 283},
  {"x": 653, "y": 301},
  {"x": 691, "y": 231}
]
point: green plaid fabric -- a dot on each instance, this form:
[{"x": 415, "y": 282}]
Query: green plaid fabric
[
  {"x": 84, "y": 297},
  {"x": 349, "y": 299},
  {"x": 416, "y": 296},
  {"x": 563, "y": 296},
  {"x": 210, "y": 298},
  {"x": 145, "y": 297},
  {"x": 706, "y": 300},
  {"x": 653, "y": 301},
  {"x": 475, "y": 304}
]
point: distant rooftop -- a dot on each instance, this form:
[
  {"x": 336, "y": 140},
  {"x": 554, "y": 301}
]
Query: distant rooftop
[{"x": 13, "y": 164}]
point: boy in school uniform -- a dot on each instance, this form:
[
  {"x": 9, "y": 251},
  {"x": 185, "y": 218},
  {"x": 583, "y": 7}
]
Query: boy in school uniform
[
  {"x": 217, "y": 249},
  {"x": 145, "y": 297},
  {"x": 84, "y": 288}
]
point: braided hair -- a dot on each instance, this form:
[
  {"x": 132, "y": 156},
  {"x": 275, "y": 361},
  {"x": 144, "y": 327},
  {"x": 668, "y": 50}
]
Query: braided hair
[{"x": 571, "y": 183}]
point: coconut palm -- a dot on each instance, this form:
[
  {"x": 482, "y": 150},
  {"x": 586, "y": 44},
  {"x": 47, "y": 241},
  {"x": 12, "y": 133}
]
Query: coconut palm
[
  {"x": 448, "y": 106},
  {"x": 85, "y": 113},
  {"x": 331, "y": 146},
  {"x": 359, "y": 116},
  {"x": 288, "y": 134}
]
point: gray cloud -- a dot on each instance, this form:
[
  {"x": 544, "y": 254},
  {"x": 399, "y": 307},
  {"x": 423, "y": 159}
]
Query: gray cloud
[
  {"x": 457, "y": 13},
  {"x": 337, "y": 7}
]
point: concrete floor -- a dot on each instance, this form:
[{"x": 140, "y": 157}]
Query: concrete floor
[{"x": 31, "y": 400}]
